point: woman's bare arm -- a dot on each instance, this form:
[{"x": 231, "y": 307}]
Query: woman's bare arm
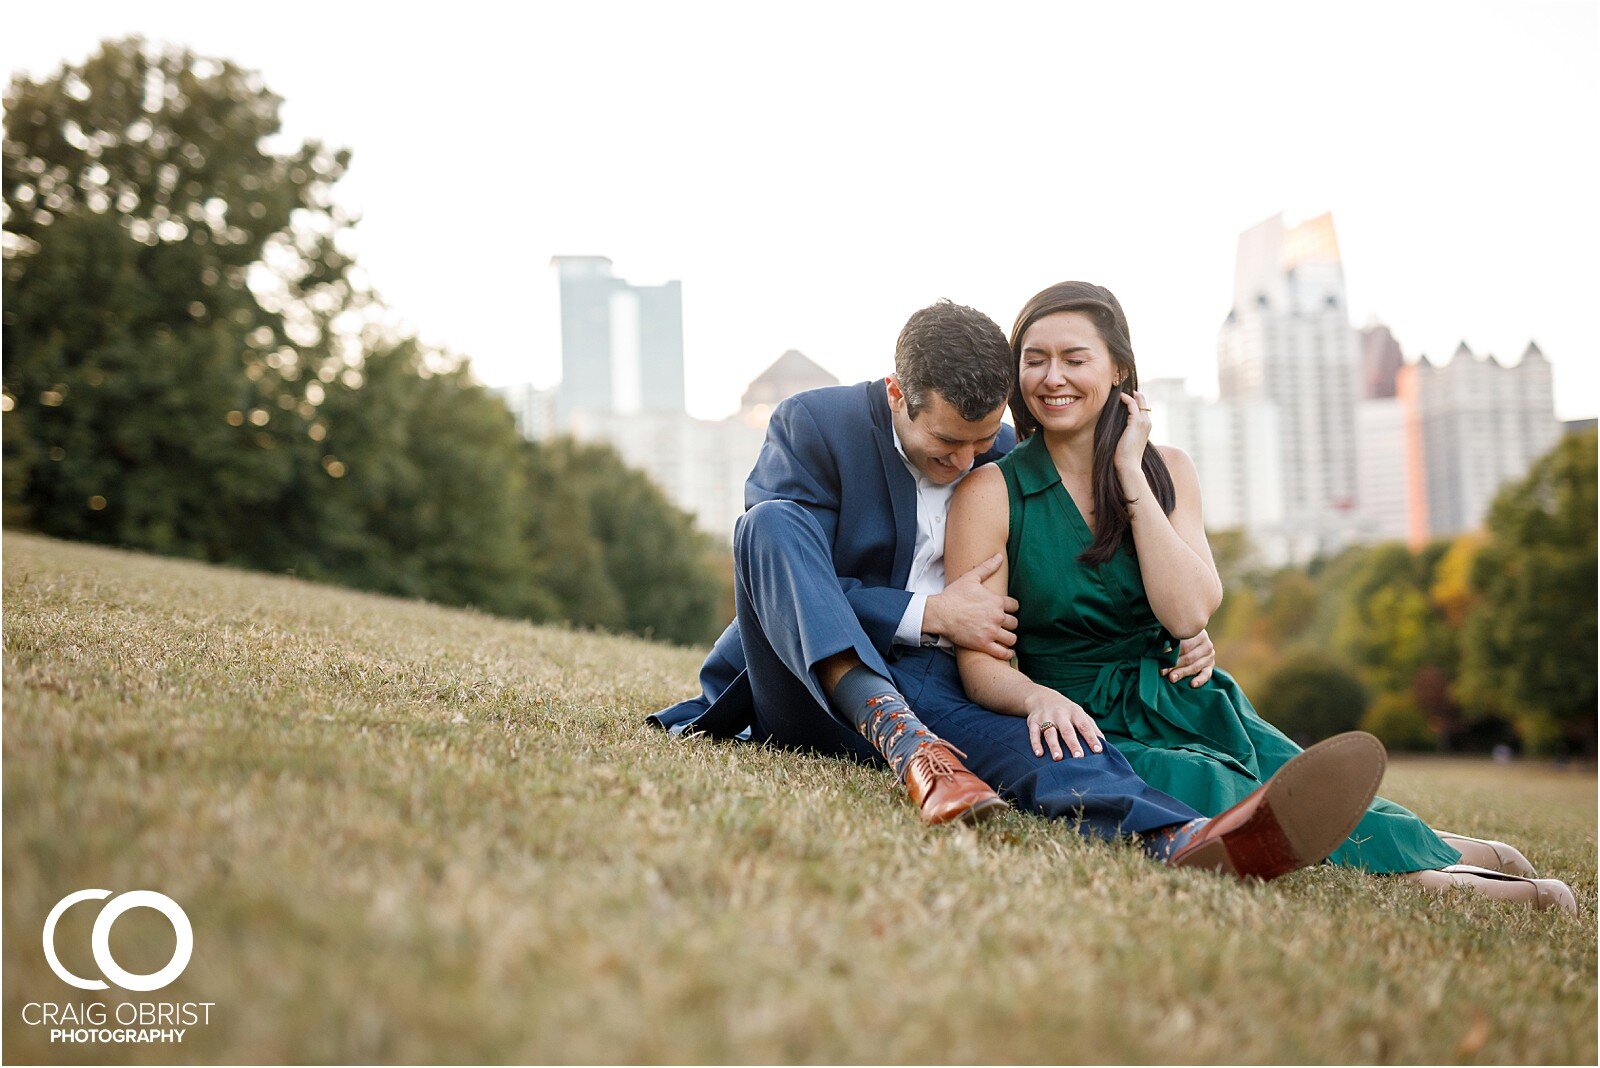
[
  {"x": 1180, "y": 578},
  {"x": 978, "y": 527}
]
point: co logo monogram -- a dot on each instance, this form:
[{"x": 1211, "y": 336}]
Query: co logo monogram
[{"x": 100, "y": 941}]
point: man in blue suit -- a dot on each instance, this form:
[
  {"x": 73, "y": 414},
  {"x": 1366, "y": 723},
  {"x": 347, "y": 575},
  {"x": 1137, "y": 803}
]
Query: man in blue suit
[{"x": 844, "y": 621}]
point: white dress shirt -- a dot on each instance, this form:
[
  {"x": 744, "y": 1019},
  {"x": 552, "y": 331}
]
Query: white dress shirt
[{"x": 927, "y": 562}]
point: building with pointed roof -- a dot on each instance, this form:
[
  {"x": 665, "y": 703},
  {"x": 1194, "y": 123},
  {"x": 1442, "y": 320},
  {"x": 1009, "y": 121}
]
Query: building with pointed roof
[
  {"x": 702, "y": 463},
  {"x": 793, "y": 372},
  {"x": 1473, "y": 424}
]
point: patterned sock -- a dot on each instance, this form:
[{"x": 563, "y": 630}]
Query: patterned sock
[
  {"x": 871, "y": 702},
  {"x": 1166, "y": 841}
]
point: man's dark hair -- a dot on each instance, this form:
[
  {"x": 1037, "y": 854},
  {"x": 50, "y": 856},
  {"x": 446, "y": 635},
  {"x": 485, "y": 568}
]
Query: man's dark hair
[{"x": 957, "y": 352}]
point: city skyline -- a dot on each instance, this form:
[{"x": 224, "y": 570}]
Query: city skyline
[
  {"x": 1322, "y": 435},
  {"x": 814, "y": 190}
]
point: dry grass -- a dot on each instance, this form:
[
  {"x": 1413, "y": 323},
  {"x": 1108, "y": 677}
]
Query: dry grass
[{"x": 405, "y": 834}]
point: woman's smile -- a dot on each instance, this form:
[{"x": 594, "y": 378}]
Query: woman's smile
[{"x": 1065, "y": 372}]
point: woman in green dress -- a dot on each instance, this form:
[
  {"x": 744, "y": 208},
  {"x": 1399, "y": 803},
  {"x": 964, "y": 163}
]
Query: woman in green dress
[{"x": 1107, "y": 554}]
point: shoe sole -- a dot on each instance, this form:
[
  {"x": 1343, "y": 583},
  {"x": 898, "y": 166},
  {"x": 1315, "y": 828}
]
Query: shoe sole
[
  {"x": 982, "y": 811},
  {"x": 974, "y": 813},
  {"x": 1316, "y": 799}
]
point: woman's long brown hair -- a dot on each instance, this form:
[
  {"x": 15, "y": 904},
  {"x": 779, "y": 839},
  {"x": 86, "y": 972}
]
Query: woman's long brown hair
[{"x": 1112, "y": 522}]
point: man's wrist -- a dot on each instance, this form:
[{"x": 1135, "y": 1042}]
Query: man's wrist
[
  {"x": 932, "y": 618},
  {"x": 910, "y": 631}
]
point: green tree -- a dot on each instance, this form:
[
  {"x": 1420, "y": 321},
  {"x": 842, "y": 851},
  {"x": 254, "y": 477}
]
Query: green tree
[
  {"x": 560, "y": 529},
  {"x": 1334, "y": 577},
  {"x": 161, "y": 401},
  {"x": 1290, "y": 605},
  {"x": 1311, "y": 696},
  {"x": 190, "y": 368},
  {"x": 1234, "y": 556},
  {"x": 660, "y": 566},
  {"x": 1453, "y": 592},
  {"x": 418, "y": 486},
  {"x": 1399, "y": 723},
  {"x": 1388, "y": 625},
  {"x": 1393, "y": 628},
  {"x": 1528, "y": 643}
]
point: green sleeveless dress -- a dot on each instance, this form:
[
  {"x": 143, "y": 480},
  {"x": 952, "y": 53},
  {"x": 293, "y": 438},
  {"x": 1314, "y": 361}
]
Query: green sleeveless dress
[{"x": 1088, "y": 632}]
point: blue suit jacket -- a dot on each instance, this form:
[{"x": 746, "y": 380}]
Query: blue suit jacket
[{"x": 833, "y": 451}]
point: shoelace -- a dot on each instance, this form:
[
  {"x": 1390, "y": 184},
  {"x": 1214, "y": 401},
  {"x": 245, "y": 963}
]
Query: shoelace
[{"x": 935, "y": 756}]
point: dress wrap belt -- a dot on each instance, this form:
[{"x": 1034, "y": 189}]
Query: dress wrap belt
[{"x": 1123, "y": 690}]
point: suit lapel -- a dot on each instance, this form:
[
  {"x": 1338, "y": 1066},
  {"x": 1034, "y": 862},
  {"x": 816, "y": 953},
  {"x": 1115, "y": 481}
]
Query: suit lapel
[{"x": 902, "y": 487}]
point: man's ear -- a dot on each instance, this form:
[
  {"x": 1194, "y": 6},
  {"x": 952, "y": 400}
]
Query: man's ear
[{"x": 897, "y": 397}]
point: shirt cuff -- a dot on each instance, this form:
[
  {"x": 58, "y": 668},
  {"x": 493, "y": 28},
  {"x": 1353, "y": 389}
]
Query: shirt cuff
[{"x": 909, "y": 632}]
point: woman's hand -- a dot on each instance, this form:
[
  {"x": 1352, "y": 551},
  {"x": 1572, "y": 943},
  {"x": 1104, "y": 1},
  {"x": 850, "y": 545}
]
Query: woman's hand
[
  {"x": 1129, "y": 457},
  {"x": 1054, "y": 721},
  {"x": 1197, "y": 657}
]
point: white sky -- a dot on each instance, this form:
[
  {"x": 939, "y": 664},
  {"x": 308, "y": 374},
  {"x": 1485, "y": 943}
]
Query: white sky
[{"x": 817, "y": 172}]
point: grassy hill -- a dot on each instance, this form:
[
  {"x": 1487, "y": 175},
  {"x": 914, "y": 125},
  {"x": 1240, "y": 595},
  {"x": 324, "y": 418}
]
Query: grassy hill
[{"x": 406, "y": 833}]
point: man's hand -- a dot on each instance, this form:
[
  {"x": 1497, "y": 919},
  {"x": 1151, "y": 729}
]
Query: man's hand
[
  {"x": 973, "y": 616},
  {"x": 1196, "y": 659}
]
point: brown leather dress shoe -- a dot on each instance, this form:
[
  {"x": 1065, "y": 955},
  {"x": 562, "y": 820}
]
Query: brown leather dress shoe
[
  {"x": 944, "y": 790},
  {"x": 1297, "y": 817}
]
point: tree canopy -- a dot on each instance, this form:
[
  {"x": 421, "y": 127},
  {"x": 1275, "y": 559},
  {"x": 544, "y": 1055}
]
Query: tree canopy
[
  {"x": 193, "y": 367},
  {"x": 1463, "y": 644},
  {"x": 1529, "y": 640},
  {"x": 1311, "y": 696}
]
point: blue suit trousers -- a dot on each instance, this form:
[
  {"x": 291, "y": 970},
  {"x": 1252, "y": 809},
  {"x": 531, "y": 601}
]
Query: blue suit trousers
[
  {"x": 793, "y": 615},
  {"x": 1100, "y": 790}
]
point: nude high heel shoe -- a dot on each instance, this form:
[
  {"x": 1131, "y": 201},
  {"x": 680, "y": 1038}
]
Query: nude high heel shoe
[
  {"x": 1535, "y": 893},
  {"x": 1483, "y": 853}
]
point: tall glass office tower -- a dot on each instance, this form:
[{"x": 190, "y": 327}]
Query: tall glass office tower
[
  {"x": 1288, "y": 341},
  {"x": 621, "y": 344}
]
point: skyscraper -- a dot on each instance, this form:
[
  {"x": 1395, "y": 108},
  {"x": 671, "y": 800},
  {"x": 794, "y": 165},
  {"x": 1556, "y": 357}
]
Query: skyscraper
[
  {"x": 586, "y": 380},
  {"x": 621, "y": 345},
  {"x": 1381, "y": 360},
  {"x": 660, "y": 346},
  {"x": 1478, "y": 424},
  {"x": 1386, "y": 450},
  {"x": 1234, "y": 448},
  {"x": 1288, "y": 341}
]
